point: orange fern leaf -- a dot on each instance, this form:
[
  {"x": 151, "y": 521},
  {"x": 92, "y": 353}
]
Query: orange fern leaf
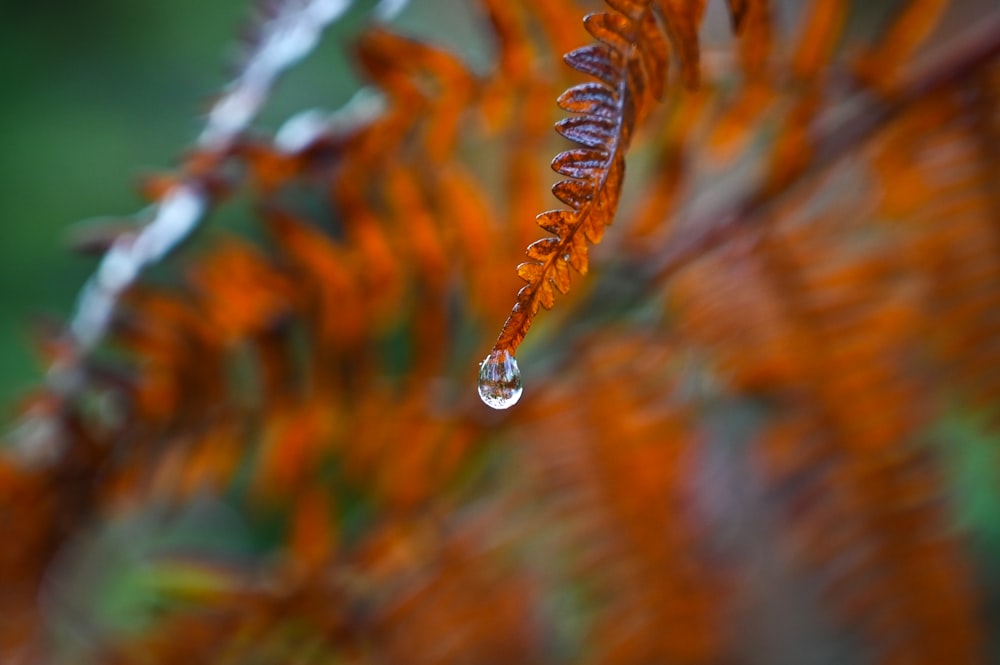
[
  {"x": 630, "y": 66},
  {"x": 752, "y": 22}
]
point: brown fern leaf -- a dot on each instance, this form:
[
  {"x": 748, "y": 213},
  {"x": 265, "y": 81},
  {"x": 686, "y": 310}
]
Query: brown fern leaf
[
  {"x": 629, "y": 64},
  {"x": 682, "y": 18},
  {"x": 819, "y": 28}
]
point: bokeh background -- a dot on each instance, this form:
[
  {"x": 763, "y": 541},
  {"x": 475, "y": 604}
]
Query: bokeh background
[{"x": 98, "y": 93}]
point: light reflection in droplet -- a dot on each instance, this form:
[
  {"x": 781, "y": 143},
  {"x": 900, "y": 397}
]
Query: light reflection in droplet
[{"x": 500, "y": 380}]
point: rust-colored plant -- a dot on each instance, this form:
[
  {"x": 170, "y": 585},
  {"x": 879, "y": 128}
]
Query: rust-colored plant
[{"x": 761, "y": 429}]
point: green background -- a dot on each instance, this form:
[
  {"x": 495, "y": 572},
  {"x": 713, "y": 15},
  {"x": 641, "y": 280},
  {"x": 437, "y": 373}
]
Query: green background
[{"x": 92, "y": 92}]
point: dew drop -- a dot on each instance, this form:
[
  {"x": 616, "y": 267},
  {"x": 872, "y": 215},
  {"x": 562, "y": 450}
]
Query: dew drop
[{"x": 499, "y": 380}]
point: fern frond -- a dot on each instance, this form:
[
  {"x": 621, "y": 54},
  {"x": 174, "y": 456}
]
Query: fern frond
[{"x": 630, "y": 66}]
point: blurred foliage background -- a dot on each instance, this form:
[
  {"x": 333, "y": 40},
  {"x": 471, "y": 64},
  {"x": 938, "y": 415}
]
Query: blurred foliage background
[
  {"x": 113, "y": 89},
  {"x": 108, "y": 91}
]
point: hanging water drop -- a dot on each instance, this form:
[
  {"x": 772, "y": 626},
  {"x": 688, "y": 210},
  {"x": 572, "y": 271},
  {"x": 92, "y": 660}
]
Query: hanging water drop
[{"x": 499, "y": 380}]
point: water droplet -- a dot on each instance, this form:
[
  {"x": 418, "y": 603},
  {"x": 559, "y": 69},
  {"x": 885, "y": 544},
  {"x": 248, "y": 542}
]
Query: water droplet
[{"x": 499, "y": 380}]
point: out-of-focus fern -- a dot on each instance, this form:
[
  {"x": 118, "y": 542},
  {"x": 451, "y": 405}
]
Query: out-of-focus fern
[{"x": 728, "y": 450}]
